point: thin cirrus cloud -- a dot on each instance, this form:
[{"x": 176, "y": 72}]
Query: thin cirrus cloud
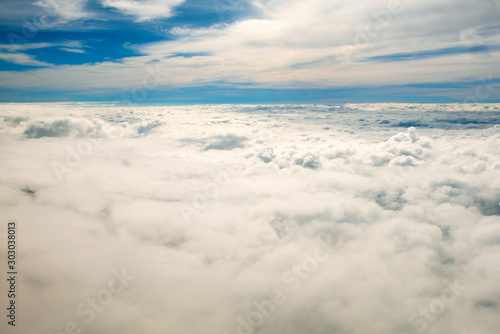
[
  {"x": 21, "y": 59},
  {"x": 16, "y": 53},
  {"x": 72, "y": 10},
  {"x": 65, "y": 10},
  {"x": 434, "y": 53}
]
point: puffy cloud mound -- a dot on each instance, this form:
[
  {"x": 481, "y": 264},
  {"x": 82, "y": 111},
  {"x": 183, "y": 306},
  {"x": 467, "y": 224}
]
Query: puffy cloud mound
[
  {"x": 64, "y": 127},
  {"x": 254, "y": 219}
]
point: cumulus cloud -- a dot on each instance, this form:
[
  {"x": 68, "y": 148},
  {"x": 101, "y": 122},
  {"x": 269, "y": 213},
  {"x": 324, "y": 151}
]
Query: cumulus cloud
[{"x": 340, "y": 217}]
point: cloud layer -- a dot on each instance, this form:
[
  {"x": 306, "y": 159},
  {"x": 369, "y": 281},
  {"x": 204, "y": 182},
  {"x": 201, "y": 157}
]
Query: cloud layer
[
  {"x": 347, "y": 219},
  {"x": 317, "y": 44}
]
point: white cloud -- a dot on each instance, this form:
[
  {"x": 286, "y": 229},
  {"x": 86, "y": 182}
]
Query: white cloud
[
  {"x": 13, "y": 52},
  {"x": 25, "y": 46},
  {"x": 22, "y": 59},
  {"x": 73, "y": 50},
  {"x": 397, "y": 229},
  {"x": 64, "y": 10},
  {"x": 313, "y": 44},
  {"x": 144, "y": 10},
  {"x": 61, "y": 12}
]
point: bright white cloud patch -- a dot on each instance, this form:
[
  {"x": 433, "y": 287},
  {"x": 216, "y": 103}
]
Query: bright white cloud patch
[
  {"x": 144, "y": 10},
  {"x": 375, "y": 218}
]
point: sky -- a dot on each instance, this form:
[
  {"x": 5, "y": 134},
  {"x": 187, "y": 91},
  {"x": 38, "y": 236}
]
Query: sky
[
  {"x": 251, "y": 166},
  {"x": 249, "y": 51}
]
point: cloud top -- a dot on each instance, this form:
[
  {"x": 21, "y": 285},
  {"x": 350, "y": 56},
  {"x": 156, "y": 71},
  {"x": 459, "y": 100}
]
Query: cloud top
[{"x": 296, "y": 219}]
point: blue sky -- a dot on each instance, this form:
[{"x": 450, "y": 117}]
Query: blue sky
[{"x": 249, "y": 51}]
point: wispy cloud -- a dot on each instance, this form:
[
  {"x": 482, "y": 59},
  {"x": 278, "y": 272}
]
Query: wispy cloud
[
  {"x": 65, "y": 10},
  {"x": 21, "y": 59},
  {"x": 15, "y": 53},
  {"x": 24, "y": 47},
  {"x": 73, "y": 50}
]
